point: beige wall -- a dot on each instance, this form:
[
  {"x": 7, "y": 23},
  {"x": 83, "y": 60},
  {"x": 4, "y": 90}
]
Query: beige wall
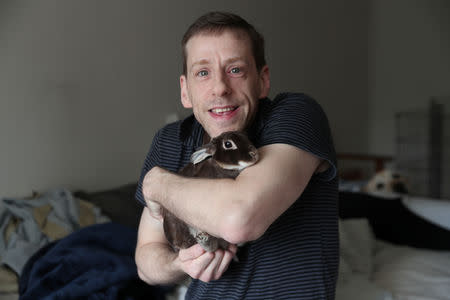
[{"x": 84, "y": 85}]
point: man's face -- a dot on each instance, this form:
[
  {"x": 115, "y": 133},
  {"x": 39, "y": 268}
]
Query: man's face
[{"x": 222, "y": 84}]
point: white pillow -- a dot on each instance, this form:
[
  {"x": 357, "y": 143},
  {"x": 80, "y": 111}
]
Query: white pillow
[
  {"x": 345, "y": 271},
  {"x": 356, "y": 245}
]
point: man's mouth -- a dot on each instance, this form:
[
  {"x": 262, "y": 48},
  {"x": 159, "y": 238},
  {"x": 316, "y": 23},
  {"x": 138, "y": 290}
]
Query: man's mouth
[{"x": 223, "y": 110}]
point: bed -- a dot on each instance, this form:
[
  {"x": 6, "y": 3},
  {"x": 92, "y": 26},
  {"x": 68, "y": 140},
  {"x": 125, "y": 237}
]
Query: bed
[{"x": 391, "y": 246}]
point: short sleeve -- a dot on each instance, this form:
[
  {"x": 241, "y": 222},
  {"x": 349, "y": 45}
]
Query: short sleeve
[
  {"x": 298, "y": 120},
  {"x": 151, "y": 160}
]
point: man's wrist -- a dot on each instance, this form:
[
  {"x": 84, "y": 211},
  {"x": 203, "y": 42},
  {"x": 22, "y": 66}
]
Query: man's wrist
[{"x": 165, "y": 268}]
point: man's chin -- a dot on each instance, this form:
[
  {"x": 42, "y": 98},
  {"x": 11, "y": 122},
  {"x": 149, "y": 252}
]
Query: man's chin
[{"x": 219, "y": 132}]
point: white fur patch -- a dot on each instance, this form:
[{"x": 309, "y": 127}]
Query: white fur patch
[
  {"x": 199, "y": 156},
  {"x": 242, "y": 165}
]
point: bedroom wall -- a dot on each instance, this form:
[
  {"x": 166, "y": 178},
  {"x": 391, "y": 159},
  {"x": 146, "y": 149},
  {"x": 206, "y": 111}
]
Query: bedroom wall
[
  {"x": 409, "y": 62},
  {"x": 84, "y": 85}
]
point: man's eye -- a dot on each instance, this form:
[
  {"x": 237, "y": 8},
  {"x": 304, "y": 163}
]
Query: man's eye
[
  {"x": 235, "y": 70},
  {"x": 202, "y": 73}
]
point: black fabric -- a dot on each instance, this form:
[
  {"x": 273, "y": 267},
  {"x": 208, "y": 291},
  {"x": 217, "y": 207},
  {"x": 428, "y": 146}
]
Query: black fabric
[
  {"x": 118, "y": 204},
  {"x": 393, "y": 222},
  {"x": 95, "y": 263}
]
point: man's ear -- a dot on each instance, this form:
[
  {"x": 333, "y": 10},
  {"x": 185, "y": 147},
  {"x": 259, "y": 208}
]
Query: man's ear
[
  {"x": 264, "y": 82},
  {"x": 184, "y": 92}
]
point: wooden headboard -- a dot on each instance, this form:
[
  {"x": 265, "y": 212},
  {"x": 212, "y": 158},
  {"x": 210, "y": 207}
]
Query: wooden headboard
[{"x": 350, "y": 167}]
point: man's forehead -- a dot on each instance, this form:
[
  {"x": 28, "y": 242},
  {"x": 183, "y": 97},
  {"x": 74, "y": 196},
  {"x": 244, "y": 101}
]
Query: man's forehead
[
  {"x": 230, "y": 60},
  {"x": 199, "y": 43}
]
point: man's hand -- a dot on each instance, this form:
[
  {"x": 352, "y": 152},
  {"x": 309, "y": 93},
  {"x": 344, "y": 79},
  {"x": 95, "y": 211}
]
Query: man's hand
[
  {"x": 155, "y": 210},
  {"x": 205, "y": 266}
]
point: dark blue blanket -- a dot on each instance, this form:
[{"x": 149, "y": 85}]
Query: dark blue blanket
[{"x": 96, "y": 263}]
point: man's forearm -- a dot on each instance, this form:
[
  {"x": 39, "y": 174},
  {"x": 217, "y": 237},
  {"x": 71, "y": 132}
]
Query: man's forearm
[
  {"x": 237, "y": 210},
  {"x": 208, "y": 204},
  {"x": 156, "y": 264}
]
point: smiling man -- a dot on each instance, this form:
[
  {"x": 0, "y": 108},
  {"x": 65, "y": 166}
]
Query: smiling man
[
  {"x": 222, "y": 84},
  {"x": 284, "y": 207}
]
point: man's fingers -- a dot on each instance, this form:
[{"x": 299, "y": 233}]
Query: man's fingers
[
  {"x": 210, "y": 272},
  {"x": 191, "y": 253},
  {"x": 198, "y": 265},
  {"x": 203, "y": 265},
  {"x": 154, "y": 210},
  {"x": 226, "y": 259}
]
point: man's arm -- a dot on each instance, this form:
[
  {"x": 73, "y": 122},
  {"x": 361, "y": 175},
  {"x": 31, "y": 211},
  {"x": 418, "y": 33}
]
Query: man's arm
[
  {"x": 242, "y": 209},
  {"x": 158, "y": 264}
]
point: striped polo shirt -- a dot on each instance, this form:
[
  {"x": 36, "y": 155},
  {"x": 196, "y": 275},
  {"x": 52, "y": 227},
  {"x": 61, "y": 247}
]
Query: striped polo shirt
[{"x": 297, "y": 257}]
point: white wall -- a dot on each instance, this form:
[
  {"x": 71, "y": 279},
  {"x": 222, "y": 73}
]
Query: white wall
[
  {"x": 84, "y": 85},
  {"x": 409, "y": 62}
]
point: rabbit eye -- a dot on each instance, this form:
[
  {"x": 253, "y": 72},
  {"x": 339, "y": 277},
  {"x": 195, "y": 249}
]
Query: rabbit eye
[{"x": 229, "y": 145}]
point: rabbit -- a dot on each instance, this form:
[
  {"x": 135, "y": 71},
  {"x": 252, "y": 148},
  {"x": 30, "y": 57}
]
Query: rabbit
[{"x": 225, "y": 156}]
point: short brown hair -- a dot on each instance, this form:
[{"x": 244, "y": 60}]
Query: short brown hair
[{"x": 217, "y": 22}]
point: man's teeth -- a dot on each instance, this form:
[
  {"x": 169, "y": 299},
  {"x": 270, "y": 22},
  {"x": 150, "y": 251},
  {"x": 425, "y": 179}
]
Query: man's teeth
[{"x": 221, "y": 110}]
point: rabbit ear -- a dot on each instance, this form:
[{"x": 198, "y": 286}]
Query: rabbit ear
[{"x": 202, "y": 154}]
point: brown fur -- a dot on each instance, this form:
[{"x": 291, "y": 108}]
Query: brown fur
[{"x": 178, "y": 233}]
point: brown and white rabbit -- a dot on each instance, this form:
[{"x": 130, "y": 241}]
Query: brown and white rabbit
[{"x": 225, "y": 156}]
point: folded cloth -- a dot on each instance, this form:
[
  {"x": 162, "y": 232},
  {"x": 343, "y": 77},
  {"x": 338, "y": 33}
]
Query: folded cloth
[
  {"x": 29, "y": 224},
  {"x": 94, "y": 263}
]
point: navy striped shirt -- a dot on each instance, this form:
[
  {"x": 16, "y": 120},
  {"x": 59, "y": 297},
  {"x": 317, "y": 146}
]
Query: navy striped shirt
[{"x": 297, "y": 257}]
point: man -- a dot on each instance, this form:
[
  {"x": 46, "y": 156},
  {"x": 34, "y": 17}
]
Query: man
[{"x": 284, "y": 207}]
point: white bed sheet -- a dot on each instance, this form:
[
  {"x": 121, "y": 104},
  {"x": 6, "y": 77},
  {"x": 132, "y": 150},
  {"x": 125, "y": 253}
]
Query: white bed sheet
[
  {"x": 411, "y": 273},
  {"x": 358, "y": 286},
  {"x": 374, "y": 270}
]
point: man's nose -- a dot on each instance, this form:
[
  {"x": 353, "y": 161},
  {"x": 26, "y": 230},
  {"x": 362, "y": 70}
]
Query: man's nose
[{"x": 221, "y": 85}]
